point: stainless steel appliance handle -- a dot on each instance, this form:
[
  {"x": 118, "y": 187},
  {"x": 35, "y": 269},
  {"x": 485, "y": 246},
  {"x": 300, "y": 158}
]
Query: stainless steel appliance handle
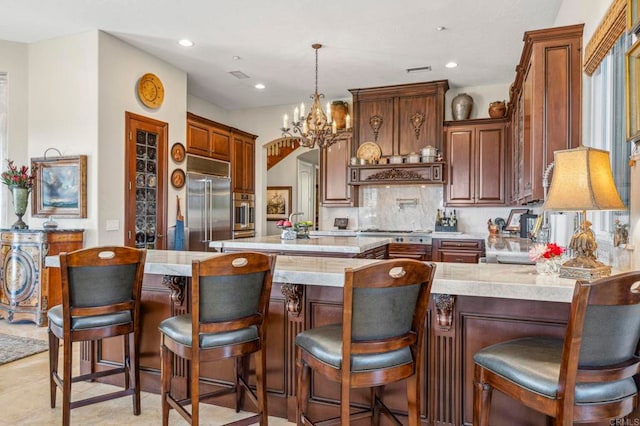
[
  {"x": 245, "y": 216},
  {"x": 205, "y": 213}
]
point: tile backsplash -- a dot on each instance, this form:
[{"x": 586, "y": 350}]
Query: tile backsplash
[{"x": 408, "y": 207}]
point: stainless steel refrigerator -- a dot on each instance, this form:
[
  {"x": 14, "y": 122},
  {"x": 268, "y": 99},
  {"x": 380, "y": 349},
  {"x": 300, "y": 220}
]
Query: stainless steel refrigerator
[{"x": 208, "y": 205}]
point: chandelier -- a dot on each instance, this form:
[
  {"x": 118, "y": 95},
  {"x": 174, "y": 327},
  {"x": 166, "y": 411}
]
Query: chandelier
[{"x": 317, "y": 128}]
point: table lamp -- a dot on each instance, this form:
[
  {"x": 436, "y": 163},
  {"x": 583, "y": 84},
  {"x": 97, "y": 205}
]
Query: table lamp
[{"x": 582, "y": 180}]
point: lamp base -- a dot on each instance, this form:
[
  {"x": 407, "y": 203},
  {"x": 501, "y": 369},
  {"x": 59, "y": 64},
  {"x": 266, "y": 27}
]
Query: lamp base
[{"x": 588, "y": 274}]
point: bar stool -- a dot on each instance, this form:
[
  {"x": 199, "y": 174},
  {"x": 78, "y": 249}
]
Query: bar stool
[
  {"x": 589, "y": 376},
  {"x": 378, "y": 342},
  {"x": 101, "y": 289},
  {"x": 229, "y": 304}
]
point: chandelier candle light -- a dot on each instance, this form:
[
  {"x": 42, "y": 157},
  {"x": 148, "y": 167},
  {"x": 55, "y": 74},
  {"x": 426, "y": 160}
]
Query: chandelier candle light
[{"x": 317, "y": 128}]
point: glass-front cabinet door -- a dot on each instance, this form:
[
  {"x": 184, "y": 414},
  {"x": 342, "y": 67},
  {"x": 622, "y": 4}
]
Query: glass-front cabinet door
[{"x": 145, "y": 183}]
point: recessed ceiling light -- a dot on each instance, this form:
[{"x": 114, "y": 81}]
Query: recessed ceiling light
[
  {"x": 185, "y": 43},
  {"x": 259, "y": 86},
  {"x": 235, "y": 57},
  {"x": 441, "y": 28},
  {"x": 451, "y": 64}
]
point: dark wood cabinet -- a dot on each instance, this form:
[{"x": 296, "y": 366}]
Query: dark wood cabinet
[
  {"x": 409, "y": 251},
  {"x": 401, "y": 119},
  {"x": 457, "y": 250},
  {"x": 476, "y": 160},
  {"x": 243, "y": 162},
  {"x": 334, "y": 162},
  {"x": 207, "y": 137},
  {"x": 545, "y": 105},
  {"x": 28, "y": 289}
]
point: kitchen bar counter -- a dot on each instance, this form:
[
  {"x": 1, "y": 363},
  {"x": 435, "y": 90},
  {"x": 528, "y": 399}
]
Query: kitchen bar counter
[
  {"x": 472, "y": 306},
  {"x": 483, "y": 280},
  {"x": 345, "y": 244},
  {"x": 315, "y": 245}
]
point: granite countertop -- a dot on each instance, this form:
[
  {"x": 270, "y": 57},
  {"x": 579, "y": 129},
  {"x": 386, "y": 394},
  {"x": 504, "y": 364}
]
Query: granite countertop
[
  {"x": 327, "y": 244},
  {"x": 505, "y": 248},
  {"x": 464, "y": 279}
]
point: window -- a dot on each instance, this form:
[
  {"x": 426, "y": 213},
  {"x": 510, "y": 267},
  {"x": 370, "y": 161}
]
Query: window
[{"x": 606, "y": 129}]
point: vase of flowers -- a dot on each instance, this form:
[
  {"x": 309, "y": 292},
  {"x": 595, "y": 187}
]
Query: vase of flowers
[
  {"x": 548, "y": 258},
  {"x": 20, "y": 181}
]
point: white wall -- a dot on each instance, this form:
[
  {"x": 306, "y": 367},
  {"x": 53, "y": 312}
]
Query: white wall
[
  {"x": 14, "y": 61},
  {"x": 120, "y": 67},
  {"x": 63, "y": 111},
  {"x": 199, "y": 106}
]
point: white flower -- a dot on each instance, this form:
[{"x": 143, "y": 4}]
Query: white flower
[{"x": 537, "y": 252}]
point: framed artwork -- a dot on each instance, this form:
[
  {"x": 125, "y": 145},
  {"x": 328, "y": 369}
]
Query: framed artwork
[
  {"x": 633, "y": 93},
  {"x": 61, "y": 187},
  {"x": 278, "y": 202},
  {"x": 513, "y": 223},
  {"x": 633, "y": 15}
]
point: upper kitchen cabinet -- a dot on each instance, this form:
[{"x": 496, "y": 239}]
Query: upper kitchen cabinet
[
  {"x": 477, "y": 171},
  {"x": 334, "y": 162},
  {"x": 545, "y": 105},
  {"x": 243, "y": 162},
  {"x": 208, "y": 138},
  {"x": 401, "y": 119}
]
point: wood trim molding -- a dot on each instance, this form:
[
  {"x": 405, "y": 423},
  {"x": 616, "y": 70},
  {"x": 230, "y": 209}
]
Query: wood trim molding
[{"x": 612, "y": 26}]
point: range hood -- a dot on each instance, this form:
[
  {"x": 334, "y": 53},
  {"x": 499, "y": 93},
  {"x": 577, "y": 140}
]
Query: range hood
[{"x": 397, "y": 174}]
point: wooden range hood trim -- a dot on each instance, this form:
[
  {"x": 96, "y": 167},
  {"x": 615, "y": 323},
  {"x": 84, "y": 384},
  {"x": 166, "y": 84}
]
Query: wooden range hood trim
[{"x": 397, "y": 174}]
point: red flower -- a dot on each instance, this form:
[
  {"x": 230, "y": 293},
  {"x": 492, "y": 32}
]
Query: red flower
[{"x": 21, "y": 177}]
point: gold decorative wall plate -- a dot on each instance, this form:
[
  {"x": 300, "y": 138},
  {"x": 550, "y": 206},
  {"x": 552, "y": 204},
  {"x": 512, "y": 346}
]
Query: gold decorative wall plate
[
  {"x": 150, "y": 90},
  {"x": 369, "y": 151},
  {"x": 177, "y": 152},
  {"x": 178, "y": 178}
]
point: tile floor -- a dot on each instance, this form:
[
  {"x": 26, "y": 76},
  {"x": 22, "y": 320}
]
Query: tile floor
[{"x": 24, "y": 396}]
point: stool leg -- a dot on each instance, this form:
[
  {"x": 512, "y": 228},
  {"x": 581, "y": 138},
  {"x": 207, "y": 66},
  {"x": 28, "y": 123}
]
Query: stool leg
[
  {"x": 376, "y": 391},
  {"x": 413, "y": 398},
  {"x": 345, "y": 399},
  {"x": 303, "y": 387},
  {"x": 54, "y": 349},
  {"x": 66, "y": 382},
  {"x": 166, "y": 371},
  {"x": 481, "y": 399},
  {"x": 134, "y": 372},
  {"x": 261, "y": 386}
]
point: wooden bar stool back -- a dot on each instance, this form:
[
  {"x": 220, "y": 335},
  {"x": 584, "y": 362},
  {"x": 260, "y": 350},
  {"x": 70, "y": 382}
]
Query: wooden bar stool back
[
  {"x": 379, "y": 342},
  {"x": 101, "y": 289},
  {"x": 229, "y": 305},
  {"x": 589, "y": 376}
]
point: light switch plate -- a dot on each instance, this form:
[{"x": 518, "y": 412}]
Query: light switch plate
[{"x": 113, "y": 225}]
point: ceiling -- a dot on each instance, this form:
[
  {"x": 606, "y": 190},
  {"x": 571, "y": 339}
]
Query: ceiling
[{"x": 366, "y": 43}]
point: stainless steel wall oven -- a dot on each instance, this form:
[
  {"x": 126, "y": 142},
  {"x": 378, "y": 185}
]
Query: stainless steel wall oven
[{"x": 243, "y": 215}]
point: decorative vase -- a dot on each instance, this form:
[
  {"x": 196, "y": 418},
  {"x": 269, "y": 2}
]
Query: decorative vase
[
  {"x": 549, "y": 267},
  {"x": 497, "y": 109},
  {"x": 461, "y": 106},
  {"x": 20, "y": 197}
]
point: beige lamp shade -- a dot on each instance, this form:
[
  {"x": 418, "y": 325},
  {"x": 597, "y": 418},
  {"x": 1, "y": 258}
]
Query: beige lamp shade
[{"x": 582, "y": 180}]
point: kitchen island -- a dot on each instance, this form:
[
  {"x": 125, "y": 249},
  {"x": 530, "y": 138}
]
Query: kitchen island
[
  {"x": 472, "y": 306},
  {"x": 330, "y": 246}
]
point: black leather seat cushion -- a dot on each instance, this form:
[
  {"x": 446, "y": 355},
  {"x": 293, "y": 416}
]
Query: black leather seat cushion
[
  {"x": 325, "y": 344},
  {"x": 534, "y": 363},
  {"x": 178, "y": 328},
  {"x": 82, "y": 323}
]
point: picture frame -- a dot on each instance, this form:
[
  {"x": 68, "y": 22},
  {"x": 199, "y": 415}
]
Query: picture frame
[
  {"x": 60, "y": 188},
  {"x": 632, "y": 92},
  {"x": 513, "y": 223},
  {"x": 278, "y": 202}
]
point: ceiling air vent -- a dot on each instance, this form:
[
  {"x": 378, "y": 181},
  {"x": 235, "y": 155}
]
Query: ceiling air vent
[
  {"x": 238, "y": 74},
  {"x": 419, "y": 69}
]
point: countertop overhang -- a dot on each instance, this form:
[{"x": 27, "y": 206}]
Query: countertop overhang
[
  {"x": 326, "y": 244},
  {"x": 480, "y": 280}
]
